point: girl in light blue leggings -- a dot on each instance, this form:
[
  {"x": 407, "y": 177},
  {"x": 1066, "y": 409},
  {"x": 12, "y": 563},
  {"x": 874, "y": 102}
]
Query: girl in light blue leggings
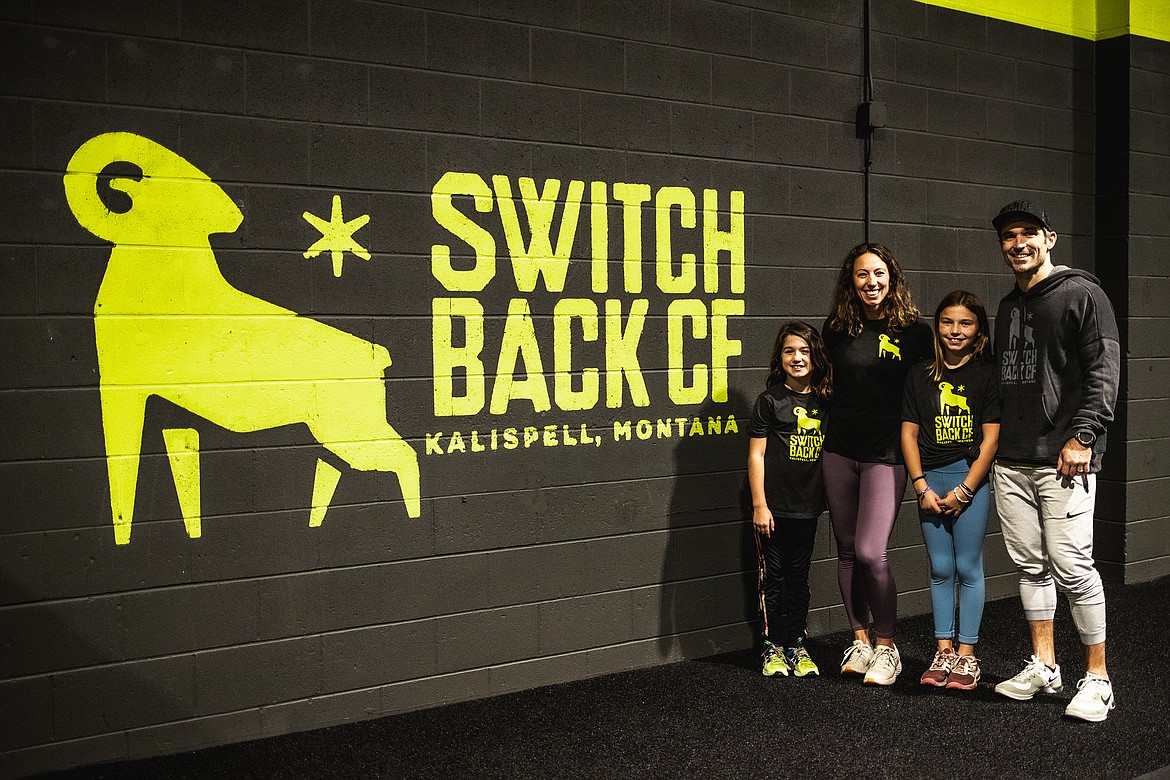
[{"x": 950, "y": 428}]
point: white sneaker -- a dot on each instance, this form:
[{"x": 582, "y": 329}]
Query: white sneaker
[
  {"x": 857, "y": 659},
  {"x": 886, "y": 666},
  {"x": 1034, "y": 678},
  {"x": 1094, "y": 699}
]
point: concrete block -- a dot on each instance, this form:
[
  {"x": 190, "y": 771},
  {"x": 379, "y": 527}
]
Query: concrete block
[
  {"x": 1007, "y": 39},
  {"x": 1149, "y": 340},
  {"x": 826, "y": 193},
  {"x": 637, "y": 20},
  {"x": 708, "y": 27},
  {"x": 369, "y": 32},
  {"x": 750, "y": 84},
  {"x": 554, "y": 13},
  {"x": 255, "y": 675},
  {"x": 35, "y": 203},
  {"x": 956, "y": 114},
  {"x": 173, "y": 75},
  {"x": 584, "y": 622},
  {"x": 1144, "y": 460},
  {"x": 905, "y": 19},
  {"x": 250, "y": 150},
  {"x": 631, "y": 560},
  {"x": 544, "y": 114},
  {"x": 589, "y": 165},
  {"x": 193, "y": 733},
  {"x": 537, "y": 672},
  {"x": 320, "y": 711},
  {"x": 673, "y": 74},
  {"x": 844, "y": 43},
  {"x": 985, "y": 162},
  {"x": 424, "y": 100},
  {"x": 1147, "y": 172},
  {"x": 121, "y": 696},
  {"x": 487, "y": 157},
  {"x": 928, "y": 64},
  {"x": 65, "y": 280},
  {"x": 367, "y": 657},
  {"x": 26, "y": 705},
  {"x": 790, "y": 39},
  {"x": 66, "y": 754},
  {"x": 790, "y": 140},
  {"x": 1050, "y": 85},
  {"x": 435, "y": 691},
  {"x": 1148, "y": 214},
  {"x": 962, "y": 29},
  {"x": 313, "y": 90},
  {"x": 16, "y": 126},
  {"x": 478, "y": 47},
  {"x": 710, "y": 131},
  {"x": 410, "y": 590},
  {"x": 898, "y": 199},
  {"x": 1149, "y": 91},
  {"x": 254, "y": 544},
  {"x": 765, "y": 187},
  {"x": 48, "y": 352},
  {"x": 190, "y": 617},
  {"x": 363, "y": 158},
  {"x": 539, "y": 573},
  {"x": 708, "y": 550},
  {"x": 832, "y": 96},
  {"x": 990, "y": 75},
  {"x": 48, "y": 636},
  {"x": 1145, "y": 571},
  {"x": 956, "y": 204},
  {"x": 567, "y": 59},
  {"x": 136, "y": 17},
  {"x": 498, "y": 635},
  {"x": 905, "y": 110},
  {"x": 918, "y": 155},
  {"x": 52, "y": 64},
  {"x": 266, "y": 25},
  {"x": 18, "y": 280},
  {"x": 158, "y": 555}
]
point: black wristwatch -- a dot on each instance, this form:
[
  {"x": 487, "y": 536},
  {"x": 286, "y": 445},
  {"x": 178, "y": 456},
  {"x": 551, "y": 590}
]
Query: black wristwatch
[{"x": 1085, "y": 438}]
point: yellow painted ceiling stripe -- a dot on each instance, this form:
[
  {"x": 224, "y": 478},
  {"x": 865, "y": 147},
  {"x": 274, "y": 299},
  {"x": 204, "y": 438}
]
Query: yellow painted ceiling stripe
[{"x": 1091, "y": 19}]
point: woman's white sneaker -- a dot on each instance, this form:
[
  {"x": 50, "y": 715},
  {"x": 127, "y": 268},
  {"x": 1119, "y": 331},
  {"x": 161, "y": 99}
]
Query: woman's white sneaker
[
  {"x": 886, "y": 666},
  {"x": 1094, "y": 699},
  {"x": 857, "y": 659}
]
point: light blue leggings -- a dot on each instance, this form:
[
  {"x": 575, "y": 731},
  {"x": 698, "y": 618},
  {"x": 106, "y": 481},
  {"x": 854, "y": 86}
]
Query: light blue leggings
[{"x": 955, "y": 547}]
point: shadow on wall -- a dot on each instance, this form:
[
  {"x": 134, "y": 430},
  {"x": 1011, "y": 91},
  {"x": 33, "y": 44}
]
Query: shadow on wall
[{"x": 707, "y": 597}]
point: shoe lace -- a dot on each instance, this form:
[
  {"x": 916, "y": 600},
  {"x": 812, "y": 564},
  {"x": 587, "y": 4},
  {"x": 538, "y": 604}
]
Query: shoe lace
[
  {"x": 942, "y": 662},
  {"x": 1091, "y": 677},
  {"x": 799, "y": 654},
  {"x": 884, "y": 656},
  {"x": 966, "y": 664}
]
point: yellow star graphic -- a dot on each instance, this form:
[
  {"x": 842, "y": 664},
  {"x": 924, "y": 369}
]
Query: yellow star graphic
[{"x": 337, "y": 236}]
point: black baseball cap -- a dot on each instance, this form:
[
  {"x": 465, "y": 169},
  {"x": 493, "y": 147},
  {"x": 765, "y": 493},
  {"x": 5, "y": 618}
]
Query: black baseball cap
[{"x": 1021, "y": 209}]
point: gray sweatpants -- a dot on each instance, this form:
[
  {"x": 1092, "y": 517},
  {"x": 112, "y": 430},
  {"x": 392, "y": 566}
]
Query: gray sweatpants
[{"x": 1047, "y": 522}]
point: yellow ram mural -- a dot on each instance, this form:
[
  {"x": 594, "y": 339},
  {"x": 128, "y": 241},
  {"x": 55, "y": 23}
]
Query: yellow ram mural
[{"x": 168, "y": 323}]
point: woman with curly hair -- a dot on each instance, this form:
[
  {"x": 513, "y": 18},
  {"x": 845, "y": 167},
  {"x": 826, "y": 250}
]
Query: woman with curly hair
[{"x": 873, "y": 335}]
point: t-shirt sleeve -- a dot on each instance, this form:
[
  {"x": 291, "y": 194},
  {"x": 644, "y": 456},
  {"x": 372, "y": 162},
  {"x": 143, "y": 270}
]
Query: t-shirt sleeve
[
  {"x": 909, "y": 397},
  {"x": 762, "y": 413},
  {"x": 992, "y": 408}
]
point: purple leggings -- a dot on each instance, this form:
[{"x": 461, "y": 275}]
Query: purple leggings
[{"x": 863, "y": 504}]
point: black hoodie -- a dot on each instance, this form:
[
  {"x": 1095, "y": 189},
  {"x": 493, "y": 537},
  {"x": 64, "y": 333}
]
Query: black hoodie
[{"x": 1060, "y": 366}]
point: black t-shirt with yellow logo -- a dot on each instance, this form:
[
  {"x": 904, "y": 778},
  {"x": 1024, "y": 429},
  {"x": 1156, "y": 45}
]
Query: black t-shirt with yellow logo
[
  {"x": 950, "y": 412},
  {"x": 793, "y": 424},
  {"x": 869, "y": 373}
]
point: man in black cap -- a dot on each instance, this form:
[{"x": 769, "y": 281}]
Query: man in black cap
[{"x": 1056, "y": 340}]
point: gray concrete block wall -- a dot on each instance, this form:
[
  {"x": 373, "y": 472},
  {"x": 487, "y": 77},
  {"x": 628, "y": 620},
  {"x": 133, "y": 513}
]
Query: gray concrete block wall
[{"x": 529, "y": 566}]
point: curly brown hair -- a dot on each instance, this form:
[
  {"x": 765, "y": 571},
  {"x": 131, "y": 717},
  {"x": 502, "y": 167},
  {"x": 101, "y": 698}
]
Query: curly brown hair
[
  {"x": 821, "y": 375},
  {"x": 898, "y": 306}
]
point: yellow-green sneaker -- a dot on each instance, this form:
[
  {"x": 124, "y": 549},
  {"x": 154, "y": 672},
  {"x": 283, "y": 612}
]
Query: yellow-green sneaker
[
  {"x": 774, "y": 660},
  {"x": 801, "y": 662}
]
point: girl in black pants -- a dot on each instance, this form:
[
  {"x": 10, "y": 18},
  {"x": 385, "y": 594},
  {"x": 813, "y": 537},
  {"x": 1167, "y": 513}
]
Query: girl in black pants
[{"x": 784, "y": 473}]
